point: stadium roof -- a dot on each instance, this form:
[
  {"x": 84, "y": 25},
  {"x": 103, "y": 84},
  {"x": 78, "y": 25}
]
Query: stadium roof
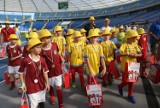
[{"x": 52, "y": 5}]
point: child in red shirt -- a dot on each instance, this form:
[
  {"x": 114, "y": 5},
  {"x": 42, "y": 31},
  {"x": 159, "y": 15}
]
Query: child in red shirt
[
  {"x": 35, "y": 82},
  {"x": 14, "y": 58},
  {"x": 54, "y": 63},
  {"x": 143, "y": 43}
]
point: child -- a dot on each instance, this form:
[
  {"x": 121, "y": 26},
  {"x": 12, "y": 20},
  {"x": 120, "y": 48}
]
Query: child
[
  {"x": 129, "y": 52},
  {"x": 69, "y": 38},
  {"x": 93, "y": 54},
  {"x": 75, "y": 51},
  {"x": 60, "y": 40},
  {"x": 32, "y": 35},
  {"x": 143, "y": 43},
  {"x": 83, "y": 38},
  {"x": 35, "y": 82},
  {"x": 114, "y": 37},
  {"x": 121, "y": 35},
  {"x": 54, "y": 63},
  {"x": 14, "y": 52},
  {"x": 108, "y": 49}
]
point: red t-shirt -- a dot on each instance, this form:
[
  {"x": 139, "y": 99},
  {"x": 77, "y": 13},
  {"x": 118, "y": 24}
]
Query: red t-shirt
[
  {"x": 32, "y": 69},
  {"x": 6, "y": 33},
  {"x": 25, "y": 52},
  {"x": 46, "y": 53},
  {"x": 13, "y": 52}
]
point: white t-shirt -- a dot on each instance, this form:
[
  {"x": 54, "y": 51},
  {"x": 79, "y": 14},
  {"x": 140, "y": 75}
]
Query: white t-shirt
[{"x": 109, "y": 28}]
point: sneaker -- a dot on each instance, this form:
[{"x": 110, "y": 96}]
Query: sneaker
[
  {"x": 132, "y": 99},
  {"x": 52, "y": 99},
  {"x": 11, "y": 87},
  {"x": 61, "y": 106},
  {"x": 120, "y": 91},
  {"x": 74, "y": 85}
]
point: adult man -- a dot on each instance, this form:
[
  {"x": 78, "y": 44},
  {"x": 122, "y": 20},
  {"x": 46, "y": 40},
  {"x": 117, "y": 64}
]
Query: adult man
[
  {"x": 154, "y": 35},
  {"x": 107, "y": 22},
  {"x": 6, "y": 31},
  {"x": 90, "y": 25}
]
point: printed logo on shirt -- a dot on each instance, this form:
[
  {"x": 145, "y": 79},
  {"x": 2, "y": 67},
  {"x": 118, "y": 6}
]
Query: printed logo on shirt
[{"x": 55, "y": 52}]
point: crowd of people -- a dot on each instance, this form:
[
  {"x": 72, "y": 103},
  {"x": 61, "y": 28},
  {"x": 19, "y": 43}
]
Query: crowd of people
[{"x": 39, "y": 64}]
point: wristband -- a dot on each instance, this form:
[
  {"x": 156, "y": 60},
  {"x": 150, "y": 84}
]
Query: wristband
[{"x": 23, "y": 85}]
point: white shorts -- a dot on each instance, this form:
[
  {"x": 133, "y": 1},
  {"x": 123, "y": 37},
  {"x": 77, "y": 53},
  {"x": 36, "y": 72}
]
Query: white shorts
[
  {"x": 55, "y": 81},
  {"x": 4, "y": 44},
  {"x": 37, "y": 98},
  {"x": 13, "y": 69}
]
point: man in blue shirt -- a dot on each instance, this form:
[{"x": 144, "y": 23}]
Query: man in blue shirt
[{"x": 154, "y": 35}]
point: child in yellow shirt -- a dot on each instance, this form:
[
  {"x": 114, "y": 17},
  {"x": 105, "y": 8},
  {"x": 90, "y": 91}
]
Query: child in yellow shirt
[
  {"x": 83, "y": 38},
  {"x": 69, "y": 38},
  {"x": 93, "y": 54},
  {"x": 108, "y": 49},
  {"x": 129, "y": 52},
  {"x": 59, "y": 40},
  {"x": 75, "y": 51}
]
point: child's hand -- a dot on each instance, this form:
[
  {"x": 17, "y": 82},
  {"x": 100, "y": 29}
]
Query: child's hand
[
  {"x": 24, "y": 89},
  {"x": 132, "y": 55},
  {"x": 13, "y": 58},
  {"x": 47, "y": 87}
]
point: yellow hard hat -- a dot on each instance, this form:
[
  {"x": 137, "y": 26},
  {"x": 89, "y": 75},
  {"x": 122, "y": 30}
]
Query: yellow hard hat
[
  {"x": 58, "y": 28},
  {"x": 13, "y": 36},
  {"x": 83, "y": 30},
  {"x": 93, "y": 33},
  {"x": 33, "y": 35},
  {"x": 70, "y": 32},
  {"x": 34, "y": 30},
  {"x": 113, "y": 30},
  {"x": 131, "y": 33},
  {"x": 106, "y": 32},
  {"x": 107, "y": 19},
  {"x": 121, "y": 27},
  {"x": 117, "y": 30},
  {"x": 91, "y": 18},
  {"x": 44, "y": 33},
  {"x": 77, "y": 34},
  {"x": 141, "y": 31},
  {"x": 98, "y": 30},
  {"x": 6, "y": 22},
  {"x": 32, "y": 43}
]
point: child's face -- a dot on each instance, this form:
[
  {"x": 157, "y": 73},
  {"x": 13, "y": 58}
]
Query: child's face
[
  {"x": 94, "y": 39},
  {"x": 76, "y": 39},
  {"x": 59, "y": 33},
  {"x": 36, "y": 50},
  {"x": 113, "y": 35},
  {"x": 13, "y": 41},
  {"x": 46, "y": 40},
  {"x": 84, "y": 34},
  {"x": 106, "y": 37},
  {"x": 133, "y": 39}
]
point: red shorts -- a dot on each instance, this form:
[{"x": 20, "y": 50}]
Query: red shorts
[{"x": 79, "y": 70}]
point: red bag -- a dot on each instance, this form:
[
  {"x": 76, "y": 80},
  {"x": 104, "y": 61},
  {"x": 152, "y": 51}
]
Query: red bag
[
  {"x": 6, "y": 77},
  {"x": 67, "y": 80},
  {"x": 24, "y": 101},
  {"x": 131, "y": 73},
  {"x": 154, "y": 74},
  {"x": 113, "y": 69},
  {"x": 94, "y": 94},
  {"x": 2, "y": 53}
]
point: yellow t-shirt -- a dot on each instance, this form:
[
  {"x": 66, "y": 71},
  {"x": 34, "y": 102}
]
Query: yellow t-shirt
[
  {"x": 61, "y": 42},
  {"x": 128, "y": 48},
  {"x": 76, "y": 54},
  {"x": 108, "y": 50},
  {"x": 69, "y": 40},
  {"x": 93, "y": 53}
]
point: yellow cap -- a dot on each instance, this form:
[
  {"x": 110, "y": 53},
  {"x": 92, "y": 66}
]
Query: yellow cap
[
  {"x": 70, "y": 32},
  {"x": 141, "y": 31},
  {"x": 6, "y": 22},
  {"x": 106, "y": 32},
  {"x": 32, "y": 43},
  {"x": 58, "y": 28},
  {"x": 13, "y": 36},
  {"x": 113, "y": 30},
  {"x": 107, "y": 19},
  {"x": 91, "y": 18},
  {"x": 121, "y": 27},
  {"x": 98, "y": 30},
  {"x": 77, "y": 34},
  {"x": 93, "y": 33},
  {"x": 83, "y": 30},
  {"x": 33, "y": 35},
  {"x": 44, "y": 33},
  {"x": 131, "y": 33}
]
